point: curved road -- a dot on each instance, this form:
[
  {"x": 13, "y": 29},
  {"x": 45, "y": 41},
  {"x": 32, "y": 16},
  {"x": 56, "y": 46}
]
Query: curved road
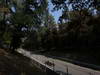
[{"x": 59, "y": 66}]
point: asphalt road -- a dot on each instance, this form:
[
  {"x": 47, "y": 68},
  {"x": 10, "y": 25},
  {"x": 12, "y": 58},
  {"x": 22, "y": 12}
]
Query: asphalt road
[{"x": 59, "y": 66}]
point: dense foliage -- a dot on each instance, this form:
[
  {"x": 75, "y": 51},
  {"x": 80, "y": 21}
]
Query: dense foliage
[{"x": 77, "y": 30}]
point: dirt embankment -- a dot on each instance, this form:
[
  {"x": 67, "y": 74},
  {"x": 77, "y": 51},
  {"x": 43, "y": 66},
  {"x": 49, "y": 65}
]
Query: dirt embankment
[{"x": 16, "y": 64}]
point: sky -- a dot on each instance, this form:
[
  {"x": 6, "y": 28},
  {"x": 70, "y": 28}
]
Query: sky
[{"x": 56, "y": 14}]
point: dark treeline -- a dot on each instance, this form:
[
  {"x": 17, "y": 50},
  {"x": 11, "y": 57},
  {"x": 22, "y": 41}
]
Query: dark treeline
[{"x": 78, "y": 27}]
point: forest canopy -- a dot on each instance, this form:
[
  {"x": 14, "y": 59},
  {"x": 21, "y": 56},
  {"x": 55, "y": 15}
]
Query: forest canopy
[{"x": 31, "y": 22}]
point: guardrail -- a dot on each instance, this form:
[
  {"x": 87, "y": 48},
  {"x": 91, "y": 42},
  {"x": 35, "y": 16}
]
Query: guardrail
[
  {"x": 92, "y": 66},
  {"x": 42, "y": 66},
  {"x": 68, "y": 72}
]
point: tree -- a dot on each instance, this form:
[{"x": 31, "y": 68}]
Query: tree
[
  {"x": 44, "y": 33},
  {"x": 48, "y": 38},
  {"x": 4, "y": 10},
  {"x": 38, "y": 28},
  {"x": 25, "y": 16},
  {"x": 78, "y": 21},
  {"x": 76, "y": 5}
]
